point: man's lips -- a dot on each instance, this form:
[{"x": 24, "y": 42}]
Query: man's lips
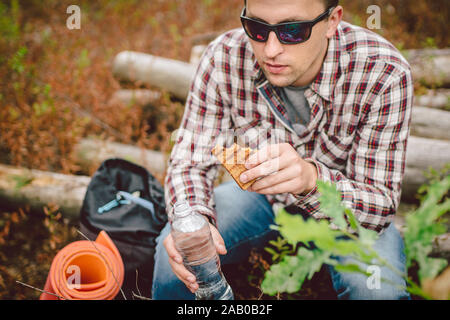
[{"x": 275, "y": 68}]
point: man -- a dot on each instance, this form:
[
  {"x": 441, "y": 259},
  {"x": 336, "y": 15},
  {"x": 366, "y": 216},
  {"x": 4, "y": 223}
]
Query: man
[{"x": 320, "y": 100}]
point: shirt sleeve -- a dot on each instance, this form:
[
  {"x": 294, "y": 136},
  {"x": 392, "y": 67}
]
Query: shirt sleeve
[
  {"x": 371, "y": 183},
  {"x": 206, "y": 121}
]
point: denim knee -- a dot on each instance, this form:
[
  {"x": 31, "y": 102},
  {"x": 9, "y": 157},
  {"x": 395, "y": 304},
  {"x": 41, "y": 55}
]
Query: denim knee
[
  {"x": 383, "y": 283},
  {"x": 353, "y": 286}
]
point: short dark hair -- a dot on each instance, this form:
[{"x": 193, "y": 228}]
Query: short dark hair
[
  {"x": 328, "y": 3},
  {"x": 331, "y": 3}
]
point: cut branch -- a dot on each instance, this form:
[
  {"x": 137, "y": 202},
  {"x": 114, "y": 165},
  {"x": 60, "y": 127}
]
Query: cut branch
[{"x": 172, "y": 75}]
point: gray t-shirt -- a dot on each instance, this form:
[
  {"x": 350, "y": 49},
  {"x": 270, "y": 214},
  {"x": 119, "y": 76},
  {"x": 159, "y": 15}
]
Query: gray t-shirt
[{"x": 297, "y": 107}]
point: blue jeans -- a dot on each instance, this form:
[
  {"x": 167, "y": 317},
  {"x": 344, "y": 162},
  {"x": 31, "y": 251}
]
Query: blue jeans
[{"x": 244, "y": 220}]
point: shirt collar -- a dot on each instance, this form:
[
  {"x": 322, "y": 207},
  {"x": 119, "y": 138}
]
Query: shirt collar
[{"x": 325, "y": 81}]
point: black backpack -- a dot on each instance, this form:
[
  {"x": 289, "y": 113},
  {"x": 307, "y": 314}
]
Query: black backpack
[{"x": 126, "y": 201}]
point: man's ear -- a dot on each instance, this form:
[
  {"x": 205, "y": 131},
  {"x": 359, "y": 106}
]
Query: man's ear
[{"x": 333, "y": 20}]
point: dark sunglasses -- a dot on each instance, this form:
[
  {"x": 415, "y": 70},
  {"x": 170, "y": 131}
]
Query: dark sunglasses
[{"x": 287, "y": 32}]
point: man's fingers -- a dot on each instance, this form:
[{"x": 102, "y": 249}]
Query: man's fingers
[
  {"x": 171, "y": 250},
  {"x": 184, "y": 275},
  {"x": 178, "y": 268},
  {"x": 263, "y": 169},
  {"x": 285, "y": 174},
  {"x": 218, "y": 240},
  {"x": 262, "y": 155},
  {"x": 282, "y": 187}
]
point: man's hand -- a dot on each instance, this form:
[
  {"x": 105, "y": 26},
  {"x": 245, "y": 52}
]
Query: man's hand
[
  {"x": 281, "y": 170},
  {"x": 176, "y": 261}
]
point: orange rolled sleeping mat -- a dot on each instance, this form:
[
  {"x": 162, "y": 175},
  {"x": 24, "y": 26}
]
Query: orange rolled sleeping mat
[{"x": 85, "y": 270}]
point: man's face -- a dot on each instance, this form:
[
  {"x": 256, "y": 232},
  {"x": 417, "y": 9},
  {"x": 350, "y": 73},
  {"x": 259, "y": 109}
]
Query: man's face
[{"x": 290, "y": 64}]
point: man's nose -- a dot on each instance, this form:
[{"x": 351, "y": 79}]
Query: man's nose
[{"x": 273, "y": 46}]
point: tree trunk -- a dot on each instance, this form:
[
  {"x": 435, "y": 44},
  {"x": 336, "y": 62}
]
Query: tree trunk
[
  {"x": 422, "y": 154},
  {"x": 439, "y": 99},
  {"x": 430, "y": 123},
  {"x": 140, "y": 97},
  {"x": 90, "y": 153},
  {"x": 23, "y": 187},
  {"x": 171, "y": 75},
  {"x": 430, "y": 67}
]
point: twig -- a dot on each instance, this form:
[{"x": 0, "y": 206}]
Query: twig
[
  {"x": 78, "y": 109},
  {"x": 140, "y": 297},
  {"x": 114, "y": 276},
  {"x": 137, "y": 287},
  {"x": 262, "y": 293},
  {"x": 43, "y": 291}
]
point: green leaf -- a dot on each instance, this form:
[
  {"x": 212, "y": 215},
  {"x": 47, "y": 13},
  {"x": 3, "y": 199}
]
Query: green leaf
[
  {"x": 295, "y": 229},
  {"x": 422, "y": 227},
  {"x": 430, "y": 268},
  {"x": 354, "y": 224},
  {"x": 350, "y": 267},
  {"x": 354, "y": 249},
  {"x": 313, "y": 262},
  {"x": 290, "y": 274},
  {"x": 366, "y": 236},
  {"x": 331, "y": 203},
  {"x": 21, "y": 181},
  {"x": 435, "y": 193},
  {"x": 271, "y": 251},
  {"x": 280, "y": 277}
]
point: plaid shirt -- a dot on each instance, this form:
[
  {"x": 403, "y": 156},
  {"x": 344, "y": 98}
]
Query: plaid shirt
[{"x": 360, "y": 103}]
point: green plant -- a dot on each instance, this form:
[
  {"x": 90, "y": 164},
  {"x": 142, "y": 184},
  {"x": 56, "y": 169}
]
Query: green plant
[
  {"x": 9, "y": 21},
  {"x": 280, "y": 250},
  {"x": 16, "y": 62},
  {"x": 21, "y": 181},
  {"x": 424, "y": 225},
  {"x": 342, "y": 235},
  {"x": 83, "y": 60}
]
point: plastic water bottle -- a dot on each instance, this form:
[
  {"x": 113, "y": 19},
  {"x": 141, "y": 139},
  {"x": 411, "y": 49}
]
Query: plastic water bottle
[{"x": 192, "y": 237}]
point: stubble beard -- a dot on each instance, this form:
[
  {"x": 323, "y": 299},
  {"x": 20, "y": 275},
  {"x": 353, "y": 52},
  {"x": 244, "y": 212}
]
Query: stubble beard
[{"x": 284, "y": 80}]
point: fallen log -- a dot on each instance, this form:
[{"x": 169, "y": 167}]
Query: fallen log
[
  {"x": 196, "y": 54},
  {"x": 140, "y": 97},
  {"x": 21, "y": 187},
  {"x": 430, "y": 67},
  {"x": 439, "y": 99},
  {"x": 90, "y": 153},
  {"x": 430, "y": 123},
  {"x": 422, "y": 154},
  {"x": 172, "y": 75}
]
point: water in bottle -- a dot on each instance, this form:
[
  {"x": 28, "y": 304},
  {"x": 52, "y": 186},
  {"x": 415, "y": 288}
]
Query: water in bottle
[{"x": 192, "y": 237}]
